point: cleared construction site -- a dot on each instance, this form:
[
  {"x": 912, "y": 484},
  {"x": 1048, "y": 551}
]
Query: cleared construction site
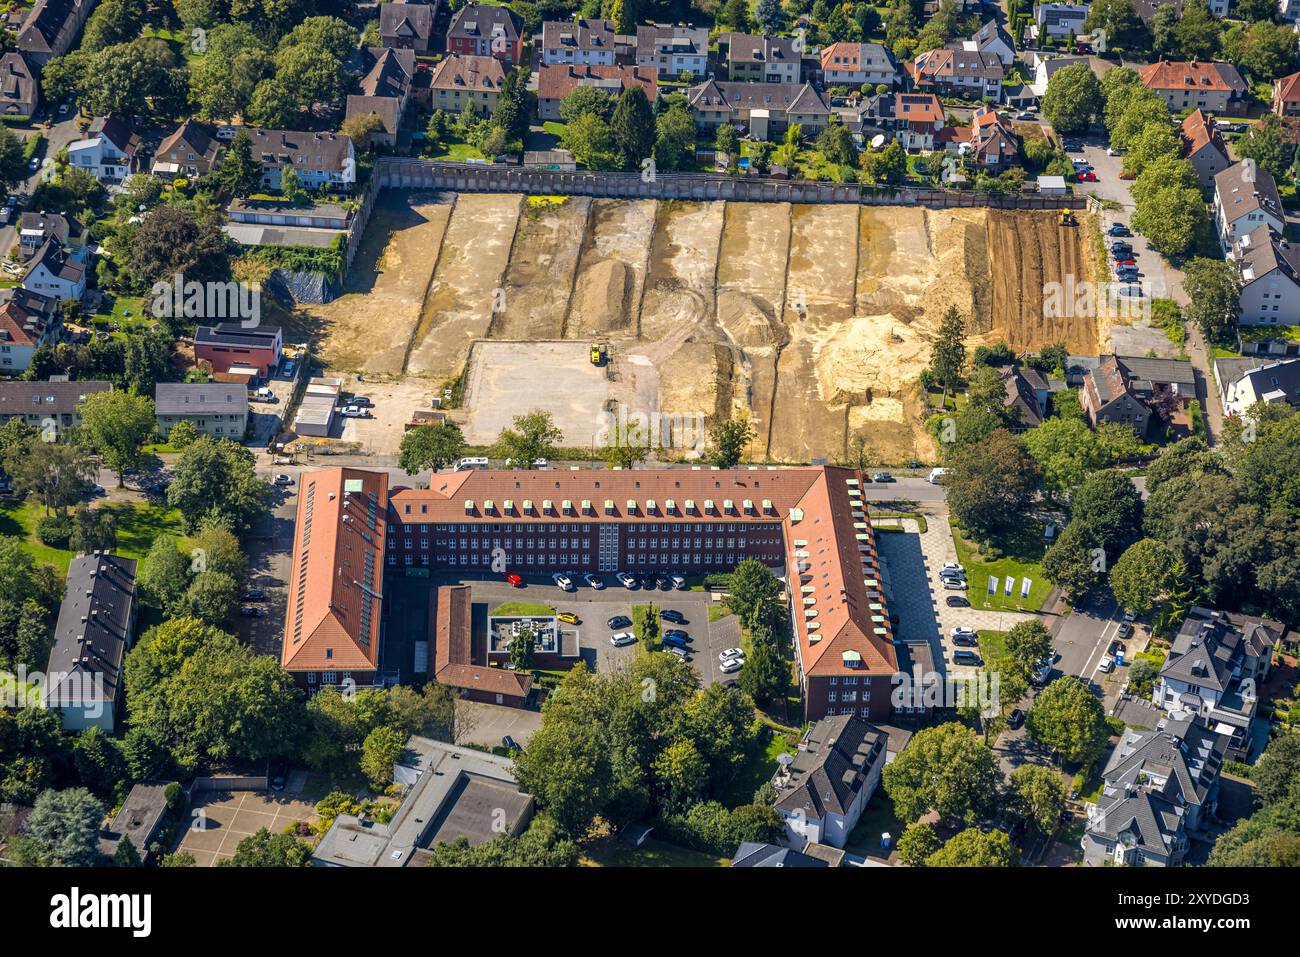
[{"x": 816, "y": 321}]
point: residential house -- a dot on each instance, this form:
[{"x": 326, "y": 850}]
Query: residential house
[
  {"x": 20, "y": 92},
  {"x": 766, "y": 110},
  {"x": 1204, "y": 148},
  {"x": 1243, "y": 382},
  {"x": 1288, "y": 10},
  {"x": 321, "y": 160},
  {"x": 579, "y": 42},
  {"x": 55, "y": 271},
  {"x": 556, "y": 82},
  {"x": 468, "y": 79},
  {"x": 1026, "y": 396},
  {"x": 51, "y": 28},
  {"x": 1146, "y": 9},
  {"x": 36, "y": 229},
  {"x": 138, "y": 820},
  {"x": 28, "y": 321},
  {"x": 1158, "y": 787},
  {"x": 760, "y": 59},
  {"x": 1286, "y": 95},
  {"x": 53, "y": 406},
  {"x": 992, "y": 38},
  {"x": 970, "y": 74},
  {"x": 1060, "y": 21},
  {"x": 231, "y": 344},
  {"x": 914, "y": 119},
  {"x": 836, "y": 769},
  {"x": 407, "y": 26},
  {"x": 332, "y": 630},
  {"x": 108, "y": 152},
  {"x": 1135, "y": 390},
  {"x": 486, "y": 31},
  {"x": 449, "y": 793},
  {"x": 856, "y": 64},
  {"x": 384, "y": 92},
  {"x": 190, "y": 151},
  {"x": 1270, "y": 279},
  {"x": 96, "y": 626},
  {"x": 990, "y": 142},
  {"x": 1194, "y": 84},
  {"x": 1046, "y": 66},
  {"x": 673, "y": 50},
  {"x": 1245, "y": 198},
  {"x": 218, "y": 409},
  {"x": 1214, "y": 669}
]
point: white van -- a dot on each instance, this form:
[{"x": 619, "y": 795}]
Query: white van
[
  {"x": 936, "y": 476},
  {"x": 471, "y": 462}
]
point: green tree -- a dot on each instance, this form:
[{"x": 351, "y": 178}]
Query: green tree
[
  {"x": 222, "y": 82},
  {"x": 64, "y": 828},
  {"x": 1039, "y": 794},
  {"x": 682, "y": 773},
  {"x": 770, "y": 16},
  {"x": 164, "y": 575},
  {"x": 1071, "y": 562},
  {"x": 946, "y": 769},
  {"x": 729, "y": 439},
  {"x": 1266, "y": 143},
  {"x": 591, "y": 141},
  {"x": 58, "y": 473},
  {"x": 1213, "y": 287},
  {"x": 1072, "y": 99},
  {"x": 431, "y": 447},
  {"x": 1068, "y": 718},
  {"x": 948, "y": 354},
  {"x": 240, "y": 173},
  {"x": 1198, "y": 34},
  {"x": 533, "y": 436},
  {"x": 215, "y": 482},
  {"x": 183, "y": 434},
  {"x": 1066, "y": 450},
  {"x": 752, "y": 590},
  {"x": 990, "y": 484},
  {"x": 1028, "y": 644},
  {"x": 118, "y": 424},
  {"x": 633, "y": 127},
  {"x": 765, "y": 676},
  {"x": 382, "y": 749},
  {"x": 917, "y": 844},
  {"x": 1142, "y": 575},
  {"x": 265, "y": 849},
  {"x": 211, "y": 597},
  {"x": 975, "y": 848},
  {"x": 1119, "y": 20},
  {"x": 1277, "y": 775},
  {"x": 13, "y": 162},
  {"x": 1108, "y": 505}
]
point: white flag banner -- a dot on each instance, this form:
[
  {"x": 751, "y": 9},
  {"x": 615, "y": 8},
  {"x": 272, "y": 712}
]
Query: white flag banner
[
  {"x": 993, "y": 585},
  {"x": 1011, "y": 585},
  {"x": 1024, "y": 587}
]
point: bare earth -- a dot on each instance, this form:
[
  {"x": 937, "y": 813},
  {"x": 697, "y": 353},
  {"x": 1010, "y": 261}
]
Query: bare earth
[{"x": 815, "y": 320}]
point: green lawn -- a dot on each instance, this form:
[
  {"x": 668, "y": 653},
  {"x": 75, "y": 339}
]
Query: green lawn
[
  {"x": 759, "y": 766},
  {"x": 138, "y": 525},
  {"x": 1023, "y": 560},
  {"x": 523, "y": 609},
  {"x": 459, "y": 153},
  {"x": 653, "y": 853},
  {"x": 878, "y": 818}
]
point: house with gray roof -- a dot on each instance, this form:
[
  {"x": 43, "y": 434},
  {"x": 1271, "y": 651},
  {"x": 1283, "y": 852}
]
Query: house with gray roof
[
  {"x": 1026, "y": 395},
  {"x": 1270, "y": 279},
  {"x": 218, "y": 409},
  {"x": 823, "y": 791},
  {"x": 1245, "y": 198},
  {"x": 450, "y": 793},
  {"x": 1134, "y": 390},
  {"x": 1243, "y": 382},
  {"x": 53, "y": 406},
  {"x": 95, "y": 628},
  {"x": 753, "y": 854},
  {"x": 1214, "y": 668},
  {"x": 1159, "y": 786},
  {"x": 673, "y": 50},
  {"x": 766, "y": 110}
]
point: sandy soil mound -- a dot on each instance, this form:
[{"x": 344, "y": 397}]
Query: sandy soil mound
[
  {"x": 700, "y": 384},
  {"x": 750, "y": 321},
  {"x": 603, "y": 296}
]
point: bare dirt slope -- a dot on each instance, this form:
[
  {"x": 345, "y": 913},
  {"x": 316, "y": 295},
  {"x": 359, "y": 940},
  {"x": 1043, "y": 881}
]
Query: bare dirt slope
[
  {"x": 467, "y": 283},
  {"x": 369, "y": 327},
  {"x": 543, "y": 262},
  {"x": 611, "y": 269}
]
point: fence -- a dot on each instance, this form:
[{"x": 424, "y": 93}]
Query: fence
[
  {"x": 229, "y": 782},
  {"x": 402, "y": 173}
]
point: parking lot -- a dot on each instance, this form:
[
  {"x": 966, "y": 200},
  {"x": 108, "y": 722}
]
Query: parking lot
[
  {"x": 221, "y": 819},
  {"x": 270, "y": 555},
  {"x": 391, "y": 405},
  {"x": 595, "y": 607}
]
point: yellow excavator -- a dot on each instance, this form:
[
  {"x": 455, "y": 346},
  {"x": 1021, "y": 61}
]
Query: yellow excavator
[
  {"x": 1066, "y": 218},
  {"x": 599, "y": 353}
]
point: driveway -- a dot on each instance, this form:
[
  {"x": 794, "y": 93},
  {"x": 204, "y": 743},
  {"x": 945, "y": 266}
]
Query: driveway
[
  {"x": 487, "y": 724},
  {"x": 221, "y": 819},
  {"x": 269, "y": 545}
]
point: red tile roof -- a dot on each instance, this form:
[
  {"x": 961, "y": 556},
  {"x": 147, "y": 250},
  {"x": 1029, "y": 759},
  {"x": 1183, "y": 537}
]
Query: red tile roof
[
  {"x": 337, "y": 576},
  {"x": 454, "y": 652},
  {"x": 558, "y": 80},
  {"x": 1191, "y": 75},
  {"x": 1198, "y": 132}
]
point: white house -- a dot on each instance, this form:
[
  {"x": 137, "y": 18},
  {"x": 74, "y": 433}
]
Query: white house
[
  {"x": 1044, "y": 67},
  {"x": 1059, "y": 20},
  {"x": 1245, "y": 198},
  {"x": 108, "y": 153},
  {"x": 1243, "y": 382},
  {"x": 853, "y": 64},
  {"x": 673, "y": 50},
  {"x": 55, "y": 272},
  {"x": 579, "y": 42},
  {"x": 823, "y": 791},
  {"x": 28, "y": 321},
  {"x": 1270, "y": 279}
]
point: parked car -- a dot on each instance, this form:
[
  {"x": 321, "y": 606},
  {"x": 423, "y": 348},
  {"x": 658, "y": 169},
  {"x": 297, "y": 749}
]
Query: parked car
[
  {"x": 679, "y": 651},
  {"x": 1015, "y": 719},
  {"x": 676, "y": 634},
  {"x": 672, "y": 641},
  {"x": 254, "y": 594},
  {"x": 277, "y": 775},
  {"x": 568, "y": 617},
  {"x": 965, "y": 641},
  {"x": 283, "y": 480},
  {"x": 510, "y": 744},
  {"x": 730, "y": 653},
  {"x": 563, "y": 580},
  {"x": 957, "y": 601},
  {"x": 955, "y": 584},
  {"x": 953, "y": 567},
  {"x": 951, "y": 573},
  {"x": 622, "y": 638},
  {"x": 1043, "y": 672},
  {"x": 251, "y": 611},
  {"x": 663, "y": 582},
  {"x": 678, "y": 582},
  {"x": 619, "y": 621},
  {"x": 962, "y": 630},
  {"x": 1130, "y": 292},
  {"x": 1125, "y": 629},
  {"x": 673, "y": 615},
  {"x": 594, "y": 581},
  {"x": 1114, "y": 151},
  {"x": 882, "y": 477},
  {"x": 1119, "y": 246},
  {"x": 731, "y": 665},
  {"x": 965, "y": 657},
  {"x": 513, "y": 580},
  {"x": 1118, "y": 229},
  {"x": 628, "y": 581},
  {"x": 1107, "y": 664}
]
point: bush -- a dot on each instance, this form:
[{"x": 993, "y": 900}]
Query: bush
[{"x": 55, "y": 531}]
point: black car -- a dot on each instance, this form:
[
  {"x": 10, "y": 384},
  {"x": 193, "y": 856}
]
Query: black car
[
  {"x": 964, "y": 657},
  {"x": 677, "y": 634},
  {"x": 254, "y": 594},
  {"x": 663, "y": 582},
  {"x": 958, "y": 601},
  {"x": 966, "y": 641},
  {"x": 670, "y": 614},
  {"x": 646, "y": 579},
  {"x": 619, "y": 621},
  {"x": 277, "y": 774},
  {"x": 1015, "y": 719},
  {"x": 510, "y": 744}
]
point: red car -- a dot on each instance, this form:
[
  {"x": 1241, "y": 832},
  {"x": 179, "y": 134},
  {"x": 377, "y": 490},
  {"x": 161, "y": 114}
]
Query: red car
[
  {"x": 1125, "y": 262},
  {"x": 514, "y": 580},
  {"x": 1088, "y": 177}
]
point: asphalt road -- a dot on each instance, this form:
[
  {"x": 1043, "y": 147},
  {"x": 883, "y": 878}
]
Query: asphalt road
[{"x": 1084, "y": 636}]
